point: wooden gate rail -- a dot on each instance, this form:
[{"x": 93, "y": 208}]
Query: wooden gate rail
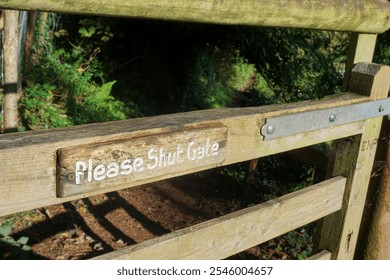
[
  {"x": 368, "y": 16},
  {"x": 29, "y": 159},
  {"x": 225, "y": 236}
]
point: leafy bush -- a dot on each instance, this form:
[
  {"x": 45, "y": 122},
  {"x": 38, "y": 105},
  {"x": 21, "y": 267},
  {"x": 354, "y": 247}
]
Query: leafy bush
[
  {"x": 38, "y": 111},
  {"x": 216, "y": 75},
  {"x": 68, "y": 85},
  {"x": 382, "y": 50},
  {"x": 207, "y": 83},
  {"x": 296, "y": 64}
]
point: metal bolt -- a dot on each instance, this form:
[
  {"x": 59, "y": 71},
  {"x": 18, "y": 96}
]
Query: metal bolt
[
  {"x": 332, "y": 118},
  {"x": 270, "y": 129},
  {"x": 381, "y": 109},
  {"x": 71, "y": 177}
]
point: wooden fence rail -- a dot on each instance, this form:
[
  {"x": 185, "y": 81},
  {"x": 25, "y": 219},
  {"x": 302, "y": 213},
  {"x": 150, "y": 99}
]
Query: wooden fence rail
[
  {"x": 238, "y": 231},
  {"x": 368, "y": 16},
  {"x": 31, "y": 172}
]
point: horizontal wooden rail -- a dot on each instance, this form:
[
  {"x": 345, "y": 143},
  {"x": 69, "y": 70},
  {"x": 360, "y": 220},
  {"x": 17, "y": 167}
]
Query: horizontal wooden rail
[
  {"x": 30, "y": 160},
  {"x": 368, "y": 16},
  {"x": 225, "y": 236},
  {"x": 323, "y": 255}
]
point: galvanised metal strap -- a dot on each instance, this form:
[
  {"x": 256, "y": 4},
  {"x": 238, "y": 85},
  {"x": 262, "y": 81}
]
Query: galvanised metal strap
[{"x": 287, "y": 125}]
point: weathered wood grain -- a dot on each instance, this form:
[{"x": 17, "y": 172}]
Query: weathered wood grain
[
  {"x": 225, "y": 236},
  {"x": 361, "y": 49},
  {"x": 28, "y": 160},
  {"x": 368, "y": 16},
  {"x": 100, "y": 166},
  {"x": 354, "y": 159},
  {"x": 323, "y": 255}
]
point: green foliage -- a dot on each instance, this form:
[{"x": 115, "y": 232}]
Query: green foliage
[
  {"x": 68, "y": 85},
  {"x": 241, "y": 73},
  {"x": 382, "y": 50},
  {"x": 208, "y": 80},
  {"x": 99, "y": 106},
  {"x": 296, "y": 64},
  {"x": 11, "y": 248},
  {"x": 297, "y": 243},
  {"x": 95, "y": 29},
  {"x": 38, "y": 111}
]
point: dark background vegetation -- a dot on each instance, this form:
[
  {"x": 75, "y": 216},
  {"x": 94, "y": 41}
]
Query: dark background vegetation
[{"x": 100, "y": 69}]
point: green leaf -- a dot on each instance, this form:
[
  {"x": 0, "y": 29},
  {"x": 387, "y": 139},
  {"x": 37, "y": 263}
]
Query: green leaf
[
  {"x": 26, "y": 248},
  {"x": 9, "y": 241},
  {"x": 5, "y": 230},
  {"x": 22, "y": 240}
]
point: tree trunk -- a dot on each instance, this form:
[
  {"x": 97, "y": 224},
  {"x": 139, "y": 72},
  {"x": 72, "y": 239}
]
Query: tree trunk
[
  {"x": 378, "y": 240},
  {"x": 11, "y": 22},
  {"x": 40, "y": 40},
  {"x": 32, "y": 18}
]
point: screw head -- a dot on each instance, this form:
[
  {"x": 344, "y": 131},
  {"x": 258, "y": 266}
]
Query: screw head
[
  {"x": 332, "y": 118},
  {"x": 270, "y": 129},
  {"x": 381, "y": 109},
  {"x": 71, "y": 177}
]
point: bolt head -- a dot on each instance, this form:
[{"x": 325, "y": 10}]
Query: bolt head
[
  {"x": 270, "y": 129},
  {"x": 332, "y": 118}
]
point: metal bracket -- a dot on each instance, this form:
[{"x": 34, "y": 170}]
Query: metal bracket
[{"x": 278, "y": 127}]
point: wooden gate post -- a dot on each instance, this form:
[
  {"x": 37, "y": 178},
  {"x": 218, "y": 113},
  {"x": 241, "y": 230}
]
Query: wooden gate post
[
  {"x": 354, "y": 159},
  {"x": 361, "y": 49}
]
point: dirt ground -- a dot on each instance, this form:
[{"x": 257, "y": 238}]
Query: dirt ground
[{"x": 93, "y": 226}]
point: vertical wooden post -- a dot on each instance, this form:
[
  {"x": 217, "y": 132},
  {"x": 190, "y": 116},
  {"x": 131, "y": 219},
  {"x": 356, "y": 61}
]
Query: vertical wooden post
[
  {"x": 354, "y": 159},
  {"x": 11, "y": 24},
  {"x": 361, "y": 49}
]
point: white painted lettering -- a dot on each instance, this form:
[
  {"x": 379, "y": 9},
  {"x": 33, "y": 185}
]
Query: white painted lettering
[
  {"x": 162, "y": 157},
  {"x": 99, "y": 172},
  {"x": 138, "y": 164},
  {"x": 126, "y": 167},
  {"x": 214, "y": 149},
  {"x": 200, "y": 152},
  {"x": 178, "y": 154},
  {"x": 90, "y": 168},
  {"x": 112, "y": 170},
  {"x": 207, "y": 147},
  {"x": 156, "y": 157},
  {"x": 191, "y": 156},
  {"x": 152, "y": 156},
  {"x": 81, "y": 167}
]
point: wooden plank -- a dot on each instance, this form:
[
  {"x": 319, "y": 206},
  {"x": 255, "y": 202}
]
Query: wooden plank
[
  {"x": 28, "y": 160},
  {"x": 225, "y": 236},
  {"x": 354, "y": 159},
  {"x": 323, "y": 255},
  {"x": 361, "y": 49},
  {"x": 369, "y": 16},
  {"x": 127, "y": 161}
]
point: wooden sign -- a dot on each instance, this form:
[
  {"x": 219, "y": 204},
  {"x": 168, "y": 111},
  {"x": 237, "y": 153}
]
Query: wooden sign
[{"x": 132, "y": 161}]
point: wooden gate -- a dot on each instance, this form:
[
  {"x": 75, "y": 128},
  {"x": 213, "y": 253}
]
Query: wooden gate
[{"x": 41, "y": 168}]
